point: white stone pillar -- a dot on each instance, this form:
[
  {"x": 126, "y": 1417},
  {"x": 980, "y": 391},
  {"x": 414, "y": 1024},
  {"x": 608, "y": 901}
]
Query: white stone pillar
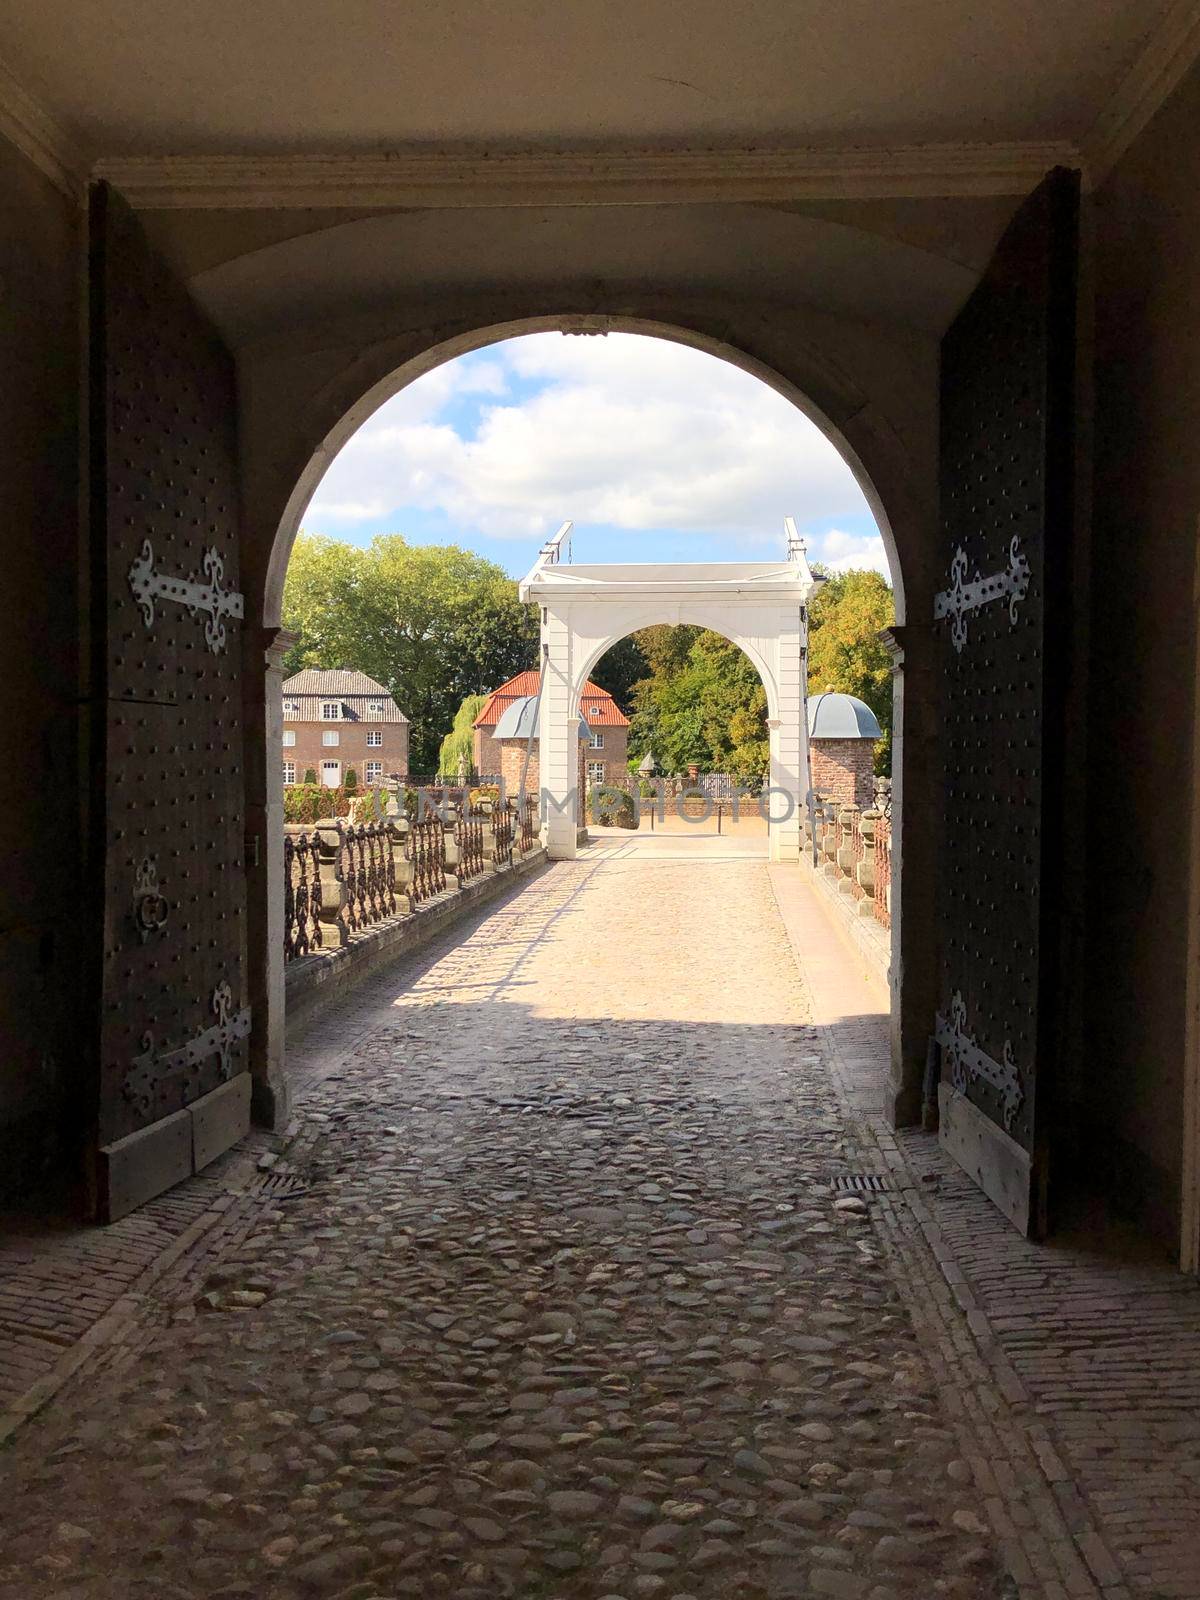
[
  {"x": 263, "y": 712},
  {"x": 789, "y": 747},
  {"x": 558, "y": 737}
]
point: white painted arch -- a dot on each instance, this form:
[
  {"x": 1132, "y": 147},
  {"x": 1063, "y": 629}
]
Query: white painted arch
[{"x": 762, "y": 607}]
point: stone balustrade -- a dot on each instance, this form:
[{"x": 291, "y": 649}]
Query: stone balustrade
[
  {"x": 342, "y": 878},
  {"x": 853, "y": 847}
]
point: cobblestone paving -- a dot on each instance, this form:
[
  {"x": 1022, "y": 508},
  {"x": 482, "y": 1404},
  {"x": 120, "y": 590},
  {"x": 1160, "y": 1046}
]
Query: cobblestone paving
[{"x": 568, "y": 1307}]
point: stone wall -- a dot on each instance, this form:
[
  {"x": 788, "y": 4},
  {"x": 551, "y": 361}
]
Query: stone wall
[
  {"x": 1134, "y": 995},
  {"x": 844, "y": 770},
  {"x": 48, "y": 1026}
]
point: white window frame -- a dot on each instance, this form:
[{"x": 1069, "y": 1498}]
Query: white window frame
[
  {"x": 331, "y": 710},
  {"x": 291, "y": 710},
  {"x": 289, "y": 772},
  {"x": 330, "y": 739},
  {"x": 596, "y": 740},
  {"x": 289, "y": 738},
  {"x": 374, "y": 738},
  {"x": 376, "y": 708},
  {"x": 595, "y": 771},
  {"x": 373, "y": 772}
]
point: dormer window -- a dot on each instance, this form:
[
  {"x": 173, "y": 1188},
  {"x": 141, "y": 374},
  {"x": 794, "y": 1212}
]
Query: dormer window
[
  {"x": 291, "y": 709},
  {"x": 331, "y": 711},
  {"x": 376, "y": 708}
]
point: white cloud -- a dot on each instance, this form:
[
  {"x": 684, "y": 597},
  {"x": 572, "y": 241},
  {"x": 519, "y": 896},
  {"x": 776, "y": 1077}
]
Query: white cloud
[
  {"x": 636, "y": 432},
  {"x": 842, "y": 552}
]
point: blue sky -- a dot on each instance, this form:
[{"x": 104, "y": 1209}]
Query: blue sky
[{"x": 655, "y": 451}]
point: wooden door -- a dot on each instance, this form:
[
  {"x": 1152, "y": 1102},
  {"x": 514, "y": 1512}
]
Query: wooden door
[
  {"x": 1007, "y": 380},
  {"x": 168, "y": 794}
]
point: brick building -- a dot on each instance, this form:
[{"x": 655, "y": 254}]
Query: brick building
[
  {"x": 606, "y": 755},
  {"x": 341, "y": 721},
  {"x": 842, "y": 733},
  {"x": 518, "y": 757}
]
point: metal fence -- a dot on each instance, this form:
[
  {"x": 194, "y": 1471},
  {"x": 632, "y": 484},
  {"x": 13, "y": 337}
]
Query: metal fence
[
  {"x": 341, "y": 878},
  {"x": 301, "y": 895}
]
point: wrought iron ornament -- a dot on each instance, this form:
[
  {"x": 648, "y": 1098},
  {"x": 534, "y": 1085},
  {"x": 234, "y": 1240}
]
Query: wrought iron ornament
[
  {"x": 967, "y": 1062},
  {"x": 209, "y": 596},
  {"x": 149, "y": 906},
  {"x": 963, "y": 597},
  {"x": 148, "y": 1071}
]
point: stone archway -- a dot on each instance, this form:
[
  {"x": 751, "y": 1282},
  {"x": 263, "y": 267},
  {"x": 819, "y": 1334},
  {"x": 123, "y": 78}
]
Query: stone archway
[
  {"x": 872, "y": 412},
  {"x": 762, "y": 607}
]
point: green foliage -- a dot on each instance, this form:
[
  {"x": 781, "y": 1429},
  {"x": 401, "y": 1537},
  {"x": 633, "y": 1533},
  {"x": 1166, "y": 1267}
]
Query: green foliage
[
  {"x": 351, "y": 779},
  {"x": 845, "y": 652},
  {"x": 369, "y": 806},
  {"x": 621, "y": 667},
  {"x": 433, "y": 623},
  {"x": 310, "y": 802},
  {"x": 458, "y": 747},
  {"x": 609, "y": 807},
  {"x": 310, "y": 775},
  {"x": 703, "y": 705}
]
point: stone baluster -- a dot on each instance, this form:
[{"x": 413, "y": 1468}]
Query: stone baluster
[
  {"x": 829, "y": 837},
  {"x": 398, "y": 829},
  {"x": 334, "y": 898},
  {"x": 868, "y": 823},
  {"x": 846, "y": 855}
]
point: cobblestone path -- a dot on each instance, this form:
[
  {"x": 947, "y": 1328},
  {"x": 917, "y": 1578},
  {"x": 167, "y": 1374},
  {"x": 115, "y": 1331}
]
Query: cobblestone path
[{"x": 567, "y": 1307}]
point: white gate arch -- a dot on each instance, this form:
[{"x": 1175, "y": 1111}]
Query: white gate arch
[{"x": 762, "y": 607}]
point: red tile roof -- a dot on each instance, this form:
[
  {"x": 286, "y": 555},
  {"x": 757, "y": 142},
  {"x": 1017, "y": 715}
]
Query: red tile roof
[{"x": 597, "y": 705}]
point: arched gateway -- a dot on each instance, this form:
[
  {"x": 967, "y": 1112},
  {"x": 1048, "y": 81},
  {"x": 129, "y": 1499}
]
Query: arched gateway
[{"x": 761, "y": 606}]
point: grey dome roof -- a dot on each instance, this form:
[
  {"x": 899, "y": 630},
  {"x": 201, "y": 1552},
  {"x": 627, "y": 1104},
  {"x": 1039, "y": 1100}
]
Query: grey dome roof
[
  {"x": 521, "y": 716},
  {"x": 841, "y": 716}
]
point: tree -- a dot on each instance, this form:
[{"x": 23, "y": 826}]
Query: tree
[
  {"x": 620, "y": 668},
  {"x": 458, "y": 747},
  {"x": 433, "y": 623},
  {"x": 845, "y": 652},
  {"x": 704, "y": 704}
]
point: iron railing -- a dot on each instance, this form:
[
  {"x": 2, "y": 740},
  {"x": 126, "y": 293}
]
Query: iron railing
[
  {"x": 468, "y": 835},
  {"x": 529, "y": 822},
  {"x": 363, "y": 884},
  {"x": 502, "y": 836},
  {"x": 425, "y": 851},
  {"x": 301, "y": 896},
  {"x": 368, "y": 870}
]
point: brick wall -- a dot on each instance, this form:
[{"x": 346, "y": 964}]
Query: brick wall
[
  {"x": 351, "y": 749},
  {"x": 511, "y": 760},
  {"x": 486, "y": 753},
  {"x": 614, "y": 754},
  {"x": 843, "y": 770}
]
